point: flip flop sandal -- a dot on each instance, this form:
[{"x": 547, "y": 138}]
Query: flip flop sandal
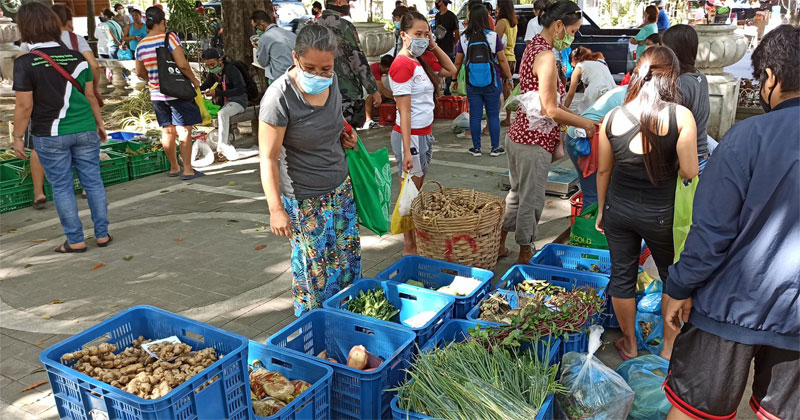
[
  {"x": 176, "y": 174},
  {"x": 197, "y": 174},
  {"x": 66, "y": 249},
  {"x": 505, "y": 254},
  {"x": 40, "y": 204},
  {"x": 105, "y": 244},
  {"x": 618, "y": 345}
]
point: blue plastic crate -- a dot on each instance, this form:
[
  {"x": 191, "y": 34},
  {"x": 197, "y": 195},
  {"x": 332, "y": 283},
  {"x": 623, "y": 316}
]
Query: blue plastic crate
[
  {"x": 573, "y": 258},
  {"x": 408, "y": 299},
  {"x": 123, "y": 135},
  {"x": 355, "y": 394},
  {"x": 224, "y": 392},
  {"x": 546, "y": 411},
  {"x": 314, "y": 403},
  {"x": 435, "y": 274},
  {"x": 567, "y": 279}
]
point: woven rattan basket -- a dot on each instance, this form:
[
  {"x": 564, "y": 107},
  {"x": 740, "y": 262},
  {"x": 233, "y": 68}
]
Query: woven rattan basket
[{"x": 472, "y": 240}]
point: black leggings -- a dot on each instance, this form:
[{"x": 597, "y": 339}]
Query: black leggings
[{"x": 626, "y": 223}]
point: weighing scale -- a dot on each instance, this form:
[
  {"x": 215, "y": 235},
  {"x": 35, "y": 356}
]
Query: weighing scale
[{"x": 560, "y": 181}]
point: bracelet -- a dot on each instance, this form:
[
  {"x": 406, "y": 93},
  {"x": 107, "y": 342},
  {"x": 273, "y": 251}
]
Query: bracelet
[
  {"x": 18, "y": 137},
  {"x": 434, "y": 47}
]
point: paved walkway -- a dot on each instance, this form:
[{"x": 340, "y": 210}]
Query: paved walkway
[
  {"x": 202, "y": 249},
  {"x": 196, "y": 250}
]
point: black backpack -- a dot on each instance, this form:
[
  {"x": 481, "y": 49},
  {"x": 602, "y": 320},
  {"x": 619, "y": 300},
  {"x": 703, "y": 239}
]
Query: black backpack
[
  {"x": 480, "y": 61},
  {"x": 250, "y": 85}
]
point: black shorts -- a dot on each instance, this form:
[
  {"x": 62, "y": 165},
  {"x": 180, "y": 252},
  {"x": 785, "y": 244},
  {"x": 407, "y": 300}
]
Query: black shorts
[
  {"x": 179, "y": 112},
  {"x": 708, "y": 376}
]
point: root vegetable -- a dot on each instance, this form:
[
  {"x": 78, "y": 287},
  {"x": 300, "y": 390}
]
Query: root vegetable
[
  {"x": 357, "y": 358},
  {"x": 323, "y": 354}
]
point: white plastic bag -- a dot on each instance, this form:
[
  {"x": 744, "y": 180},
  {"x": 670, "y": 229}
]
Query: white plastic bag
[
  {"x": 531, "y": 105},
  {"x": 202, "y": 155},
  {"x": 407, "y": 196},
  {"x": 595, "y": 391},
  {"x": 461, "y": 123}
]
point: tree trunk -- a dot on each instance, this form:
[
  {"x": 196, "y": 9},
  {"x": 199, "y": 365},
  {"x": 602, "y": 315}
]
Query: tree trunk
[{"x": 237, "y": 33}]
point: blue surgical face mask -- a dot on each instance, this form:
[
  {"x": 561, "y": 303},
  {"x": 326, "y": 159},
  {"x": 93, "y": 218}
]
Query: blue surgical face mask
[
  {"x": 418, "y": 46},
  {"x": 397, "y": 25},
  {"x": 312, "y": 85}
]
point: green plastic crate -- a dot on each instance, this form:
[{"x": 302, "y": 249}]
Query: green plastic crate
[
  {"x": 141, "y": 165},
  {"x": 115, "y": 170},
  {"x": 13, "y": 161},
  {"x": 15, "y": 192}
]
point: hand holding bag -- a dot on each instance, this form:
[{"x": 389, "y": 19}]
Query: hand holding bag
[
  {"x": 171, "y": 80},
  {"x": 403, "y": 223}
]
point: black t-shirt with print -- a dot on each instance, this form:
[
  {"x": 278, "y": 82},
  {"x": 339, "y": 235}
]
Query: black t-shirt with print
[
  {"x": 58, "y": 107},
  {"x": 449, "y": 21}
]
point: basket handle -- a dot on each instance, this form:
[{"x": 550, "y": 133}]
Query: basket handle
[
  {"x": 496, "y": 203},
  {"x": 441, "y": 188}
]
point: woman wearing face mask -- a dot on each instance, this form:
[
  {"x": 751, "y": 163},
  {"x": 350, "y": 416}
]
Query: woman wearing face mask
[
  {"x": 397, "y": 16},
  {"x": 414, "y": 82},
  {"x": 225, "y": 84},
  {"x": 530, "y": 151},
  {"x": 304, "y": 171}
]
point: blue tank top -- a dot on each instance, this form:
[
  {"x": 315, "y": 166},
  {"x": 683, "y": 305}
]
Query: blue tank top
[{"x": 136, "y": 32}]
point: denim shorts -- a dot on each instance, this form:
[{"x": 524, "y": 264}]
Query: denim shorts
[{"x": 179, "y": 112}]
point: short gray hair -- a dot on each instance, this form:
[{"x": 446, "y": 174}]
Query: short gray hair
[{"x": 314, "y": 36}]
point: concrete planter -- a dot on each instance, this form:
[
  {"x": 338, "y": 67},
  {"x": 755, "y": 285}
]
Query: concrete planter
[
  {"x": 719, "y": 47},
  {"x": 8, "y": 51},
  {"x": 375, "y": 40}
]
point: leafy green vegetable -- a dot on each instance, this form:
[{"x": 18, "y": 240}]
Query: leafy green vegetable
[
  {"x": 373, "y": 303},
  {"x": 542, "y": 316},
  {"x": 468, "y": 381}
]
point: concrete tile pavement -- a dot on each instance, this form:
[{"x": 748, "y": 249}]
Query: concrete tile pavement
[{"x": 195, "y": 249}]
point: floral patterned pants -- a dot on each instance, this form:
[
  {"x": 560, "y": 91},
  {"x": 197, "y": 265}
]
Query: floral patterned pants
[{"x": 326, "y": 247}]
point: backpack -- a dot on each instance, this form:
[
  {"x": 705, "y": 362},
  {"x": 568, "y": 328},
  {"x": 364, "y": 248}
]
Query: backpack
[
  {"x": 250, "y": 85},
  {"x": 480, "y": 62}
]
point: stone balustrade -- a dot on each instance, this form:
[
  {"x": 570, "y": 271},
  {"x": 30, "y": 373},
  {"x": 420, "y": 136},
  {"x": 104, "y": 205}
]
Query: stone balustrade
[{"x": 120, "y": 87}]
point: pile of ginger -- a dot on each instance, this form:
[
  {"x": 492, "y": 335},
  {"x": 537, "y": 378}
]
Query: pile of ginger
[{"x": 136, "y": 372}]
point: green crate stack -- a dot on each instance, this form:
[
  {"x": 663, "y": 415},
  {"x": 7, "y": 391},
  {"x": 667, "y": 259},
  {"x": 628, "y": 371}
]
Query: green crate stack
[
  {"x": 115, "y": 170},
  {"x": 144, "y": 164},
  {"x": 16, "y": 188}
]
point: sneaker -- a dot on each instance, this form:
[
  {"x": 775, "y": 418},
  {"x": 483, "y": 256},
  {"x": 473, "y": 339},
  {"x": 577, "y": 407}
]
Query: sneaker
[
  {"x": 475, "y": 152},
  {"x": 374, "y": 124},
  {"x": 498, "y": 151}
]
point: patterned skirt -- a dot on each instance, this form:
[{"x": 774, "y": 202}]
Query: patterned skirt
[{"x": 326, "y": 248}]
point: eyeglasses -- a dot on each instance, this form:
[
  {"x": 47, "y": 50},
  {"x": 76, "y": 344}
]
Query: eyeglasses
[{"x": 326, "y": 74}]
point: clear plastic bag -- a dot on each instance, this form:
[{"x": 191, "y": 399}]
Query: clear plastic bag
[
  {"x": 531, "y": 105},
  {"x": 595, "y": 390},
  {"x": 645, "y": 375}
]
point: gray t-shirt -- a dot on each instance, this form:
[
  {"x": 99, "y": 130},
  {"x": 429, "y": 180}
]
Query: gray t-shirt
[
  {"x": 312, "y": 161},
  {"x": 694, "y": 95}
]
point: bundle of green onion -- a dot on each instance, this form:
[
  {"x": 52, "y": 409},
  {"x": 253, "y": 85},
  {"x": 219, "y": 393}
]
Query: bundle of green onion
[{"x": 465, "y": 381}]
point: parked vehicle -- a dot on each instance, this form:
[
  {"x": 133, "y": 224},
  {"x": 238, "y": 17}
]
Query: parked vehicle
[{"x": 612, "y": 42}]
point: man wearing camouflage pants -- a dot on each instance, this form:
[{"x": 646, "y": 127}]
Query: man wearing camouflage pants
[{"x": 350, "y": 65}]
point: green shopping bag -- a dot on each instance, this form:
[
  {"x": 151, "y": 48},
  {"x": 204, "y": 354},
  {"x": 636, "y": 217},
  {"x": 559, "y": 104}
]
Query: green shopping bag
[
  {"x": 212, "y": 109},
  {"x": 682, "y": 216},
  {"x": 461, "y": 88},
  {"x": 584, "y": 233},
  {"x": 372, "y": 187},
  {"x": 512, "y": 106}
]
